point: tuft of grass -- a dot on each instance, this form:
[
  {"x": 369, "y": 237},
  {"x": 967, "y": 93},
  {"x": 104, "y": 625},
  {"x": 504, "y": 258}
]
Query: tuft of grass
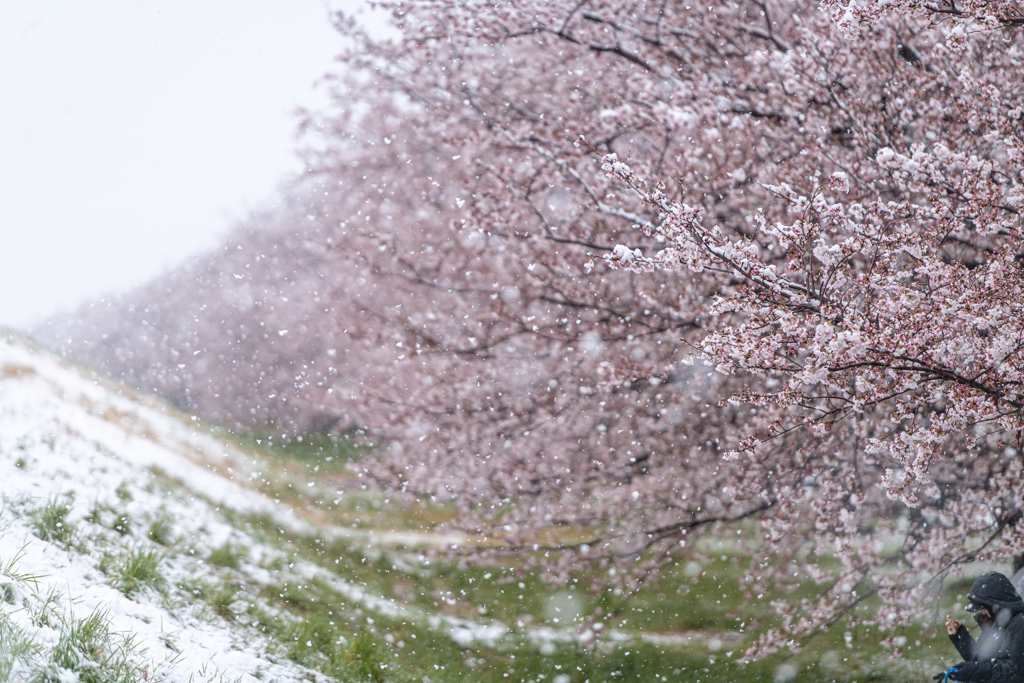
[
  {"x": 17, "y": 648},
  {"x": 219, "y": 596},
  {"x": 120, "y": 520},
  {"x": 123, "y": 523},
  {"x": 227, "y": 555},
  {"x": 83, "y": 643},
  {"x": 45, "y": 614},
  {"x": 161, "y": 530},
  {"x": 89, "y": 650},
  {"x": 366, "y": 658},
  {"x": 50, "y": 522},
  {"x": 8, "y": 568},
  {"x": 134, "y": 570},
  {"x": 95, "y": 515},
  {"x": 124, "y": 492}
]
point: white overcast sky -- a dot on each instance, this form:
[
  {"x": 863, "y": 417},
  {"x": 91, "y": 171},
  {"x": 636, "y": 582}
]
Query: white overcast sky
[{"x": 133, "y": 134}]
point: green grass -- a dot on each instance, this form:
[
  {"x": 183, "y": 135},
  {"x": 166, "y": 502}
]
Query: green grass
[
  {"x": 222, "y": 597},
  {"x": 366, "y": 658},
  {"x": 88, "y": 649},
  {"x": 316, "y": 451},
  {"x": 320, "y": 625},
  {"x": 46, "y": 612},
  {"x": 161, "y": 530},
  {"x": 106, "y": 514},
  {"x": 122, "y": 523},
  {"x": 123, "y": 492},
  {"x": 17, "y": 648},
  {"x": 288, "y": 466},
  {"x": 85, "y": 649},
  {"x": 329, "y": 635},
  {"x": 227, "y": 555},
  {"x": 134, "y": 569},
  {"x": 50, "y": 521}
]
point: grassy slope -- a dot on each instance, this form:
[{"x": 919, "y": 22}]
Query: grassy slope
[
  {"x": 261, "y": 560},
  {"x": 694, "y": 621}
]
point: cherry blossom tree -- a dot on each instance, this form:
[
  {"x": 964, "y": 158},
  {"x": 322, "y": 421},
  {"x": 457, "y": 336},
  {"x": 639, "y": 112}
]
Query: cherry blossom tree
[
  {"x": 610, "y": 274},
  {"x": 824, "y": 207}
]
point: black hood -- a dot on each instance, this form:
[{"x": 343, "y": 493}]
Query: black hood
[{"x": 995, "y": 590}]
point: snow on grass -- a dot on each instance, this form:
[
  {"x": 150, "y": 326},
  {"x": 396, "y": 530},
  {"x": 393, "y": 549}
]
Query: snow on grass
[
  {"x": 96, "y": 544},
  {"x": 120, "y": 514}
]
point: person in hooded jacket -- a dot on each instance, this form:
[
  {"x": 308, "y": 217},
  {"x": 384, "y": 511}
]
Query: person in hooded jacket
[{"x": 997, "y": 656}]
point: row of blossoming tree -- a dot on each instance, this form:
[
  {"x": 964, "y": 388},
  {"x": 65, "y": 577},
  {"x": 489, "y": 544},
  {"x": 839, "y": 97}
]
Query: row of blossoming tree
[{"x": 609, "y": 274}]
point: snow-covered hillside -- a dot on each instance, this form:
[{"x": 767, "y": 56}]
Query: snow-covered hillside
[
  {"x": 113, "y": 506},
  {"x": 137, "y": 545}
]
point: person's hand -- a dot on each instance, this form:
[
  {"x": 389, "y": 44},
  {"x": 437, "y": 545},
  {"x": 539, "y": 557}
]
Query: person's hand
[
  {"x": 964, "y": 671},
  {"x": 952, "y": 625}
]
